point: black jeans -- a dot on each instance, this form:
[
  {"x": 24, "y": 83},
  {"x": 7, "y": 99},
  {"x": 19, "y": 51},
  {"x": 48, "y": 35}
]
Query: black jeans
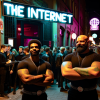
[
  {"x": 34, "y": 97},
  {"x": 2, "y": 79},
  {"x": 59, "y": 77},
  {"x": 85, "y": 95}
]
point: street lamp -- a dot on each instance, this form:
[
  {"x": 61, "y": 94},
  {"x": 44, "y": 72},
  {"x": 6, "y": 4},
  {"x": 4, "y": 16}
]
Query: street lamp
[
  {"x": 94, "y": 35},
  {"x": 73, "y": 37}
]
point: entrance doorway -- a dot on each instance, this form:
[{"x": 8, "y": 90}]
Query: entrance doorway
[{"x": 28, "y": 30}]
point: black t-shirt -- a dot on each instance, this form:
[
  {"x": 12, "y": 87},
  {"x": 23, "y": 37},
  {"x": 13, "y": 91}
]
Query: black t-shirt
[
  {"x": 2, "y": 60},
  {"x": 26, "y": 56},
  {"x": 85, "y": 60},
  {"x": 19, "y": 56},
  {"x": 34, "y": 69}
]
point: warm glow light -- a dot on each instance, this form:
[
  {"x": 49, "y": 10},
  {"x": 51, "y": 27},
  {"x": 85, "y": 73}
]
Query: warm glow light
[
  {"x": 11, "y": 41},
  {"x": 91, "y": 38},
  {"x": 73, "y": 36},
  {"x": 19, "y": 29},
  {"x": 93, "y": 42}
]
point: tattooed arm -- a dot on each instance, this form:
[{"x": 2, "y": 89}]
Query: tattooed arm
[
  {"x": 90, "y": 72},
  {"x": 26, "y": 78},
  {"x": 69, "y": 73},
  {"x": 49, "y": 79}
]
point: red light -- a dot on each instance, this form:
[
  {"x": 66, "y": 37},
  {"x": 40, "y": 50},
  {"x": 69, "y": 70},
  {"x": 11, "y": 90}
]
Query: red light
[{"x": 19, "y": 29}]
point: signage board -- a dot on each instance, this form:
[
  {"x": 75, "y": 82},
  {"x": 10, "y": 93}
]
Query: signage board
[
  {"x": 18, "y": 10},
  {"x": 94, "y": 22}
]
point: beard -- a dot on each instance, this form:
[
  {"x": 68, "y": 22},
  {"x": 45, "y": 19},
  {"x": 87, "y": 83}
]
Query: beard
[
  {"x": 34, "y": 53},
  {"x": 81, "y": 49}
]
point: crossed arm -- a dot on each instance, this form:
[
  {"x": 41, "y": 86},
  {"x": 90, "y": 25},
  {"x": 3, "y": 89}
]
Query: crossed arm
[
  {"x": 26, "y": 78},
  {"x": 80, "y": 73}
]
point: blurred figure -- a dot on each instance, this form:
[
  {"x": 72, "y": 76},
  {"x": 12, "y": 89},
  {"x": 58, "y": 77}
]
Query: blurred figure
[
  {"x": 26, "y": 52},
  {"x": 20, "y": 53},
  {"x": 14, "y": 51},
  {"x": 54, "y": 53},
  {"x": 10, "y": 55},
  {"x": 46, "y": 56},
  {"x": 3, "y": 61},
  {"x": 66, "y": 50},
  {"x": 58, "y": 61},
  {"x": 41, "y": 51},
  {"x": 70, "y": 50},
  {"x": 58, "y": 49},
  {"x": 73, "y": 49},
  {"x": 19, "y": 58}
]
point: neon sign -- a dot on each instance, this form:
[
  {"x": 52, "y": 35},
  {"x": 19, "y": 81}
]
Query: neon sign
[
  {"x": 94, "y": 22},
  {"x": 31, "y": 12},
  {"x": 94, "y": 35}
]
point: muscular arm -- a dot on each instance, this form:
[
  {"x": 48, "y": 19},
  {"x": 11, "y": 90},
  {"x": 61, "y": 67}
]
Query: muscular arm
[
  {"x": 26, "y": 78},
  {"x": 90, "y": 72},
  {"x": 69, "y": 73},
  {"x": 48, "y": 80}
]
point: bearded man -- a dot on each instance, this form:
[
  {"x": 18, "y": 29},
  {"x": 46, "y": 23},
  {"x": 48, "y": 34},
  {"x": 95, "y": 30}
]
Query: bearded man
[
  {"x": 35, "y": 74},
  {"x": 82, "y": 68}
]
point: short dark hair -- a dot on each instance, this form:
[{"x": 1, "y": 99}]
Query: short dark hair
[
  {"x": 47, "y": 49},
  {"x": 3, "y": 46},
  {"x": 9, "y": 45},
  {"x": 34, "y": 41}
]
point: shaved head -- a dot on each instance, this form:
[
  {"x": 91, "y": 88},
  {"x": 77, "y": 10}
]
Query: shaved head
[
  {"x": 82, "y": 44},
  {"x": 82, "y": 37}
]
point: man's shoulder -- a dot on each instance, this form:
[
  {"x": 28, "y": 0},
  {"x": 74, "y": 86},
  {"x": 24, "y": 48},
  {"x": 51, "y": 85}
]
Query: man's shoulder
[
  {"x": 23, "y": 64},
  {"x": 27, "y": 60},
  {"x": 69, "y": 56}
]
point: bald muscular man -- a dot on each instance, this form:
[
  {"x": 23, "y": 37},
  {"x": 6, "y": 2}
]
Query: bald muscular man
[{"x": 82, "y": 68}]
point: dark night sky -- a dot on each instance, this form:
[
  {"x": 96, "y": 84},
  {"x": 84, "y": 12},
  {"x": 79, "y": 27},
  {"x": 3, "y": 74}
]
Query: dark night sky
[{"x": 93, "y": 8}]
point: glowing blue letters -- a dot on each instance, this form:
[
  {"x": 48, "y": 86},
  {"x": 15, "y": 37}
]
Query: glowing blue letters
[
  {"x": 14, "y": 10},
  {"x": 31, "y": 12}
]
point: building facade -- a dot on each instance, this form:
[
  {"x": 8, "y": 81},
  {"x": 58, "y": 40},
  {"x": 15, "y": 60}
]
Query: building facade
[{"x": 20, "y": 31}]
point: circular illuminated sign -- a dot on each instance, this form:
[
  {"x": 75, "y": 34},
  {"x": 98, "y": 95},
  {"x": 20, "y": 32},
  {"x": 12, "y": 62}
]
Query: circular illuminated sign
[
  {"x": 94, "y": 35},
  {"x": 94, "y": 22}
]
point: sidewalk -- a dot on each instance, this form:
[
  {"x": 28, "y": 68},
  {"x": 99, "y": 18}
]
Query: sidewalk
[{"x": 53, "y": 93}]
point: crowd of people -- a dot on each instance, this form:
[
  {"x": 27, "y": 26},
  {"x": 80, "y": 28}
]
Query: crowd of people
[{"x": 34, "y": 67}]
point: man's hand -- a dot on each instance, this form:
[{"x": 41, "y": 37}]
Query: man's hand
[
  {"x": 9, "y": 61},
  {"x": 11, "y": 71}
]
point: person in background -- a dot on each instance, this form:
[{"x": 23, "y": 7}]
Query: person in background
[
  {"x": 19, "y": 58},
  {"x": 58, "y": 61},
  {"x": 41, "y": 51},
  {"x": 26, "y": 52},
  {"x": 66, "y": 52},
  {"x": 73, "y": 49},
  {"x": 47, "y": 56},
  {"x": 3, "y": 63},
  {"x": 14, "y": 51},
  {"x": 54, "y": 53},
  {"x": 20, "y": 53}
]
